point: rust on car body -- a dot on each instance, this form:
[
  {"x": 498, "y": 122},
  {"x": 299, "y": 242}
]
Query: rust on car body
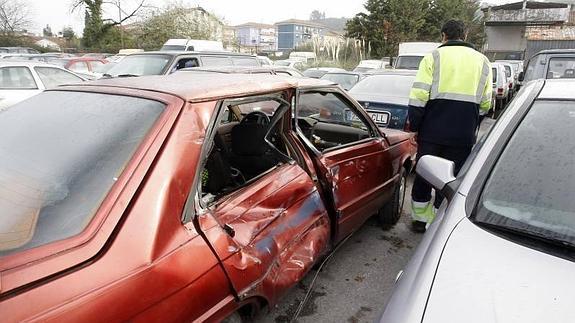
[{"x": 157, "y": 251}]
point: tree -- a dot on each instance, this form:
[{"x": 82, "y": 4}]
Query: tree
[
  {"x": 14, "y": 16},
  {"x": 177, "y": 21},
  {"x": 390, "y": 22},
  {"x": 317, "y": 15},
  {"x": 68, "y": 33},
  {"x": 95, "y": 27}
]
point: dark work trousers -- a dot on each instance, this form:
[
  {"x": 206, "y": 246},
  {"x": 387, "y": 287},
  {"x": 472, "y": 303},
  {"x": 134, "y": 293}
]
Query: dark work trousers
[{"x": 421, "y": 191}]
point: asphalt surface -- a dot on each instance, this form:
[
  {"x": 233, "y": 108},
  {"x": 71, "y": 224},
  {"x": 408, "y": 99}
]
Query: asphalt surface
[{"x": 356, "y": 283}]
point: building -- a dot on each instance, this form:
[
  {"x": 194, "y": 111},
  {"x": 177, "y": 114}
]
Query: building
[
  {"x": 254, "y": 38},
  {"x": 519, "y": 30},
  {"x": 293, "y": 33}
]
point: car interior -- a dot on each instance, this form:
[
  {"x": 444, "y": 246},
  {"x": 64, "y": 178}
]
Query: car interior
[
  {"x": 249, "y": 139},
  {"x": 247, "y": 144}
]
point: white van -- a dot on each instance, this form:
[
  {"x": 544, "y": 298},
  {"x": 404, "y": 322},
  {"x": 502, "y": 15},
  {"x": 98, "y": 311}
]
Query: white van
[
  {"x": 411, "y": 53},
  {"x": 193, "y": 45}
]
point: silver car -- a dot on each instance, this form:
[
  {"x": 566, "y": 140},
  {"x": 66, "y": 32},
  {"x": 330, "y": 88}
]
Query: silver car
[
  {"x": 20, "y": 80},
  {"x": 502, "y": 248}
]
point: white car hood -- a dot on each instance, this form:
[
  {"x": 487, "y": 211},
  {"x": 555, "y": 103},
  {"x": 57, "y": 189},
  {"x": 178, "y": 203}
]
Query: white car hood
[{"x": 485, "y": 278}]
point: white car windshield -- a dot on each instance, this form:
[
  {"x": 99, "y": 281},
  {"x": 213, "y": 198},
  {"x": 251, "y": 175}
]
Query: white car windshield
[
  {"x": 531, "y": 187},
  {"x": 138, "y": 65}
]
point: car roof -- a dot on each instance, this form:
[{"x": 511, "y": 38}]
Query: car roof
[
  {"x": 181, "y": 52},
  {"x": 557, "y": 89},
  {"x": 29, "y": 63},
  {"x": 239, "y": 69},
  {"x": 391, "y": 72},
  {"x": 200, "y": 87},
  {"x": 344, "y": 72}
]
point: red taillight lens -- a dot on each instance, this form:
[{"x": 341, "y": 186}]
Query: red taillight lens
[
  {"x": 500, "y": 90},
  {"x": 510, "y": 85}
]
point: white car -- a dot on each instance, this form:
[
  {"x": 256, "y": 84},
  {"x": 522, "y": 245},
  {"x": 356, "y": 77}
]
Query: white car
[
  {"x": 297, "y": 64},
  {"x": 20, "y": 80},
  {"x": 500, "y": 86}
]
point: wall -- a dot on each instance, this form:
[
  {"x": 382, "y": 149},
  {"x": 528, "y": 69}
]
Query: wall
[{"x": 506, "y": 38}]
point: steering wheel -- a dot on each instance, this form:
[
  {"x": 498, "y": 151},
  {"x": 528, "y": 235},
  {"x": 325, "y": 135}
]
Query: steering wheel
[{"x": 257, "y": 117}]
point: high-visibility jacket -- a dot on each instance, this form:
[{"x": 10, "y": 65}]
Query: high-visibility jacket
[{"x": 452, "y": 84}]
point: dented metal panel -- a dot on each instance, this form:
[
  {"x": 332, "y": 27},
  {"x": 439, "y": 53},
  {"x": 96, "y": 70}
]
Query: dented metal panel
[{"x": 281, "y": 229}]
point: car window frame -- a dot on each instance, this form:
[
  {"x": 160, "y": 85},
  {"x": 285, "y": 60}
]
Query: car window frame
[
  {"x": 195, "y": 205},
  {"x": 374, "y": 131},
  {"x": 73, "y": 251},
  {"x": 495, "y": 151}
]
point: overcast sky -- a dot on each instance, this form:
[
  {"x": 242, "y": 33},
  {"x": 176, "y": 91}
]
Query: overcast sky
[{"x": 56, "y": 13}]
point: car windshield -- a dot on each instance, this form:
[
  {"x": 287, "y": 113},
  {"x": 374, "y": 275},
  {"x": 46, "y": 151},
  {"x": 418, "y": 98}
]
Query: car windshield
[
  {"x": 408, "y": 62},
  {"x": 61, "y": 154},
  {"x": 385, "y": 85},
  {"x": 281, "y": 63},
  {"x": 140, "y": 65},
  {"x": 561, "y": 67},
  {"x": 347, "y": 81},
  {"x": 531, "y": 187}
]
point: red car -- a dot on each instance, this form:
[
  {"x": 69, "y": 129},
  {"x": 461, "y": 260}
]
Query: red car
[
  {"x": 189, "y": 197},
  {"x": 87, "y": 66}
]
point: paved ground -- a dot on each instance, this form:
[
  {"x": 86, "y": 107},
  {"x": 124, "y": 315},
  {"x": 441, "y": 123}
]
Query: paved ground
[{"x": 357, "y": 282}]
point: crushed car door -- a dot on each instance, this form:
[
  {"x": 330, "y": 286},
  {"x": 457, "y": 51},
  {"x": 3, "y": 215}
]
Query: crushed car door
[
  {"x": 351, "y": 155},
  {"x": 269, "y": 230}
]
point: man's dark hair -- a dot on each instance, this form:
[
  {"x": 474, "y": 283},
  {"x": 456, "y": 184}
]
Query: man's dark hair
[{"x": 454, "y": 29}]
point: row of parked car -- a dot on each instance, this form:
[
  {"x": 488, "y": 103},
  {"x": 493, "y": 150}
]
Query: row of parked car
[{"x": 200, "y": 195}]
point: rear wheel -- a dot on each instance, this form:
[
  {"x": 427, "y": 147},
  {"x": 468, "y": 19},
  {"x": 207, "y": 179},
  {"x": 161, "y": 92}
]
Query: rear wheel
[{"x": 390, "y": 213}]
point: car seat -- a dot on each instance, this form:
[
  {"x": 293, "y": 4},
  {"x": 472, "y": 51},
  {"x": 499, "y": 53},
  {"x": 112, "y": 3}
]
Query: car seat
[{"x": 249, "y": 149}]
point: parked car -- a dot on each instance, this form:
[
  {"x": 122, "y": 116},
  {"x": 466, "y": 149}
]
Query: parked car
[
  {"x": 370, "y": 64},
  {"x": 20, "y": 80},
  {"x": 264, "y": 60},
  {"x": 266, "y": 69},
  {"x": 345, "y": 79},
  {"x": 318, "y": 72},
  {"x": 167, "y": 62},
  {"x": 502, "y": 246},
  {"x": 500, "y": 86},
  {"x": 101, "y": 56},
  {"x": 510, "y": 74},
  {"x": 27, "y": 57},
  {"x": 193, "y": 45},
  {"x": 208, "y": 195},
  {"x": 18, "y": 50},
  {"x": 550, "y": 64},
  {"x": 385, "y": 96},
  {"x": 411, "y": 53},
  {"x": 517, "y": 68},
  {"x": 297, "y": 64},
  {"x": 85, "y": 66}
]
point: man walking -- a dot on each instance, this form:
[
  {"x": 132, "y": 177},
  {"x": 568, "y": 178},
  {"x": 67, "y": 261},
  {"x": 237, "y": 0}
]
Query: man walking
[{"x": 452, "y": 84}]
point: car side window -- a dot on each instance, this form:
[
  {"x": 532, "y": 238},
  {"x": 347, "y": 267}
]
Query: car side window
[
  {"x": 16, "y": 77},
  {"x": 328, "y": 121},
  {"x": 52, "y": 77},
  {"x": 186, "y": 63},
  {"x": 211, "y": 61}
]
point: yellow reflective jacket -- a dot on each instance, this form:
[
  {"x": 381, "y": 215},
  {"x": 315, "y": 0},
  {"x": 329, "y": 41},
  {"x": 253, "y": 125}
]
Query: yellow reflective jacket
[{"x": 452, "y": 84}]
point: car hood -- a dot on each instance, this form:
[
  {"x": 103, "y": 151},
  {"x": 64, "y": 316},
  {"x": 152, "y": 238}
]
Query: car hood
[
  {"x": 485, "y": 278},
  {"x": 364, "y": 97}
]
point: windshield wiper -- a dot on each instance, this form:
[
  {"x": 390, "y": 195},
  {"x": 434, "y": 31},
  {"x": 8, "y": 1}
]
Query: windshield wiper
[
  {"x": 529, "y": 234},
  {"x": 127, "y": 75},
  {"x": 106, "y": 75}
]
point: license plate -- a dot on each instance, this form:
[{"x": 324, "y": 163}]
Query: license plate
[{"x": 379, "y": 117}]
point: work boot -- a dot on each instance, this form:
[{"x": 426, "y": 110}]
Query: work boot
[{"x": 422, "y": 213}]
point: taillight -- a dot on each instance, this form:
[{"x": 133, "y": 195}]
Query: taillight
[
  {"x": 500, "y": 90},
  {"x": 510, "y": 85}
]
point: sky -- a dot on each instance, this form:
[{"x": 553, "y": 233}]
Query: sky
[{"x": 56, "y": 13}]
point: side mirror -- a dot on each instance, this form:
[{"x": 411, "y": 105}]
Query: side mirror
[
  {"x": 521, "y": 76},
  {"x": 438, "y": 172}
]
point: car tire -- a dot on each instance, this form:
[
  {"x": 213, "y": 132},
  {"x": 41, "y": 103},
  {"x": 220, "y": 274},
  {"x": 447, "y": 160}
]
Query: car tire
[{"x": 390, "y": 213}]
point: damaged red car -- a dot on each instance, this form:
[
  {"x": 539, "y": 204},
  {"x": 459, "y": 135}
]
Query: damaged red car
[{"x": 186, "y": 197}]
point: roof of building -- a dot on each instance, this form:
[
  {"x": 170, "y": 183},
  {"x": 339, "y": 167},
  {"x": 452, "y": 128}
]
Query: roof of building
[
  {"x": 200, "y": 87},
  {"x": 255, "y": 25},
  {"x": 300, "y": 22},
  {"x": 530, "y": 5}
]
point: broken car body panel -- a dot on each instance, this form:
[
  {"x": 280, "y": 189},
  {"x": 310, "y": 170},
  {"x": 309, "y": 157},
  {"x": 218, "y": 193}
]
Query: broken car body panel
[{"x": 137, "y": 260}]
